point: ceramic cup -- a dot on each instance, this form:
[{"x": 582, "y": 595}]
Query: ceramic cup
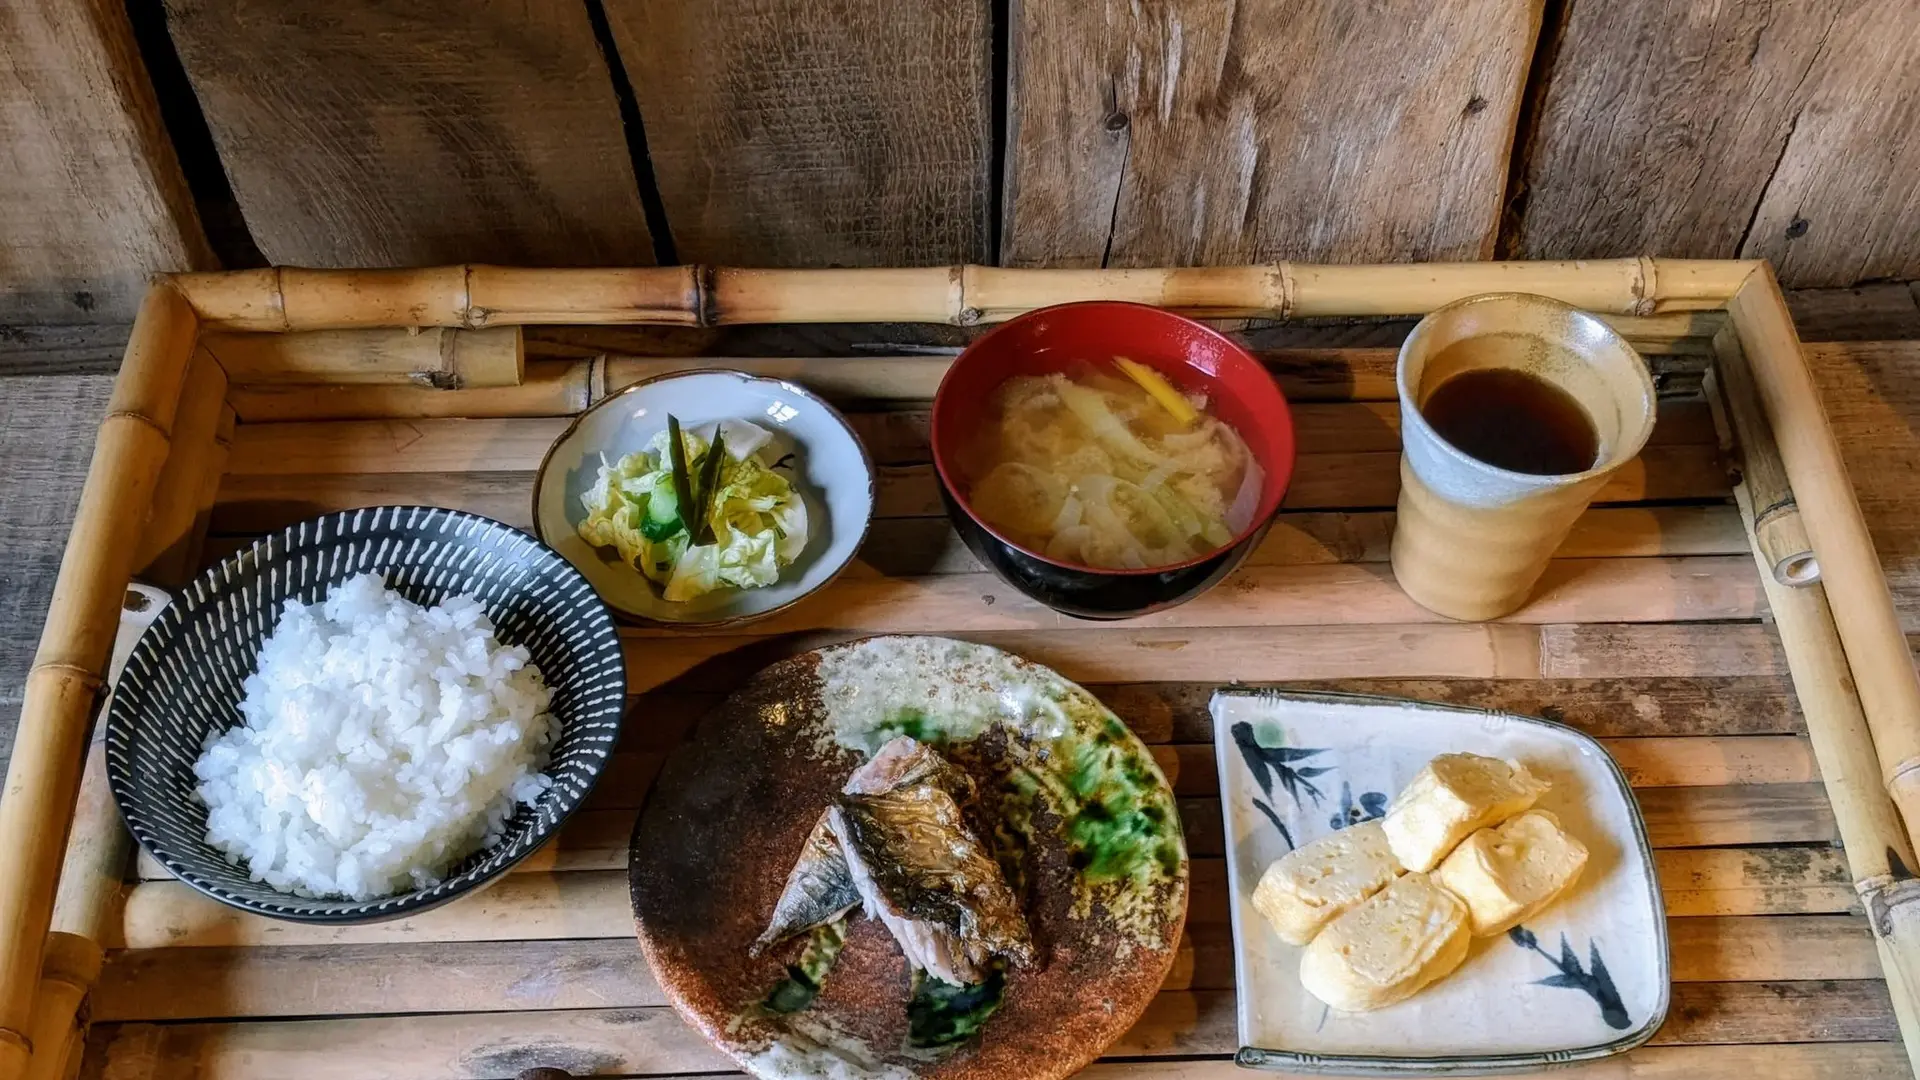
[{"x": 1471, "y": 538}]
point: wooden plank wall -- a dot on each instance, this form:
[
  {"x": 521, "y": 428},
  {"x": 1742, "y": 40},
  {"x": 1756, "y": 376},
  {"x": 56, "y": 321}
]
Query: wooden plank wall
[
  {"x": 1179, "y": 132},
  {"x": 91, "y": 197},
  {"x": 817, "y": 133},
  {"x": 893, "y": 132},
  {"x": 368, "y": 134}
]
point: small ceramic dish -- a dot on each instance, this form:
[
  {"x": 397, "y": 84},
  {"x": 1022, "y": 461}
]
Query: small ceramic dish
[
  {"x": 829, "y": 468},
  {"x": 1187, "y": 354},
  {"x": 1586, "y": 978}
]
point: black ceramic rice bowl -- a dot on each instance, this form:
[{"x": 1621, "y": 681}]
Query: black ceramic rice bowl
[{"x": 182, "y": 683}]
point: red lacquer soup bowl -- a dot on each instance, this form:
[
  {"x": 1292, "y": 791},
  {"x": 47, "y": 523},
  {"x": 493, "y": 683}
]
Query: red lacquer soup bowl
[{"x": 1058, "y": 339}]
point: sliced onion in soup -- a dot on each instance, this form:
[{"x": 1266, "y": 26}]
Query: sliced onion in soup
[{"x": 1020, "y": 498}]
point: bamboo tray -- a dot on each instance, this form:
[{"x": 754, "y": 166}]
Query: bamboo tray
[{"x": 251, "y": 399}]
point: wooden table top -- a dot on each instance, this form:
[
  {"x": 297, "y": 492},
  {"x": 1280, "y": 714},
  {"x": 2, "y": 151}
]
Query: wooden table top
[{"x": 1652, "y": 636}]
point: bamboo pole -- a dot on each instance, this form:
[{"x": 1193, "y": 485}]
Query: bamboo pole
[
  {"x": 995, "y": 294},
  {"x": 43, "y": 776},
  {"x": 549, "y": 388},
  {"x": 1614, "y": 286},
  {"x": 435, "y": 356},
  {"x": 165, "y": 550},
  {"x": 68, "y": 972},
  {"x": 1778, "y": 530},
  {"x": 656, "y": 295},
  {"x": 923, "y": 294},
  {"x": 86, "y": 909},
  {"x": 1879, "y": 854},
  {"x": 477, "y": 296},
  {"x": 471, "y": 297},
  {"x": 1876, "y": 647}
]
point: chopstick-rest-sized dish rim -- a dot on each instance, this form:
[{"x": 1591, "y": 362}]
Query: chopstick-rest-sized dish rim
[
  {"x": 308, "y": 559},
  {"x": 1634, "y": 847},
  {"x": 819, "y": 497}
]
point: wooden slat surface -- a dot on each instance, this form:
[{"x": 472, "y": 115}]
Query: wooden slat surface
[
  {"x": 416, "y": 134},
  {"x": 192, "y": 983},
  {"x": 655, "y": 1040},
  {"x": 1710, "y": 810},
  {"x": 844, "y": 133},
  {"x": 270, "y": 499},
  {"x": 542, "y": 905},
  {"x": 1686, "y": 687},
  {"x": 597, "y": 1042}
]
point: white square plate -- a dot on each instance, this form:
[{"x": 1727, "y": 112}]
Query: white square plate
[{"x": 1586, "y": 978}]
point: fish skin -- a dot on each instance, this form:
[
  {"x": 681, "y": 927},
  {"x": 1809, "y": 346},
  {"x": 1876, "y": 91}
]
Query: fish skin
[
  {"x": 819, "y": 890},
  {"x": 904, "y": 761},
  {"x": 897, "y": 844},
  {"x": 923, "y": 874}
]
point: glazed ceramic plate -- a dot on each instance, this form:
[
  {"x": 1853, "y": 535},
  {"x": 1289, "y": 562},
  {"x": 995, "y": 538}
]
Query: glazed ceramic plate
[
  {"x": 1586, "y": 978},
  {"x": 732, "y": 807},
  {"x": 829, "y": 468}
]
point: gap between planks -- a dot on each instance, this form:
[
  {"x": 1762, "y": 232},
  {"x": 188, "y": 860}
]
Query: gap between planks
[
  {"x": 1178, "y": 1023},
  {"x": 1225, "y": 655},
  {"x": 593, "y": 903},
  {"x": 485, "y": 976},
  {"x": 560, "y": 388},
  {"x": 597, "y": 837},
  {"x": 263, "y": 501},
  {"x": 892, "y": 437}
]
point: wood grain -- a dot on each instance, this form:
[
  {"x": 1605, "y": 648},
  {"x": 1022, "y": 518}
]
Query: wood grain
[
  {"x": 1660, "y": 123},
  {"x": 1799, "y": 880},
  {"x": 597, "y": 1042},
  {"x": 1747, "y": 128},
  {"x": 94, "y": 201},
  {"x": 1874, "y": 407},
  {"x": 416, "y": 134},
  {"x": 259, "y": 495},
  {"x": 502, "y": 976},
  {"x": 1614, "y": 707},
  {"x": 46, "y": 463},
  {"x": 1839, "y": 206},
  {"x": 1184, "y": 133},
  {"x": 823, "y": 133},
  {"x": 654, "y": 1039}
]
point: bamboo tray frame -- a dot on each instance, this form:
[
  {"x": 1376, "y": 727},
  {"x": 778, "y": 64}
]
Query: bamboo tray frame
[{"x": 162, "y": 452}]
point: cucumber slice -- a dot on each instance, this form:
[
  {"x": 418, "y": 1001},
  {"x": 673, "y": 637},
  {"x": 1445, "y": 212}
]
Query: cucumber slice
[{"x": 662, "y": 518}]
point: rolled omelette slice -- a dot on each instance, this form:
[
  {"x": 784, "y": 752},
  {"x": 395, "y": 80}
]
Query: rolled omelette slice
[
  {"x": 1454, "y": 795},
  {"x": 1396, "y": 943},
  {"x": 1513, "y": 871},
  {"x": 1311, "y": 885}
]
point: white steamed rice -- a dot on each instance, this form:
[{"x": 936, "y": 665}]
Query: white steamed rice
[{"x": 381, "y": 744}]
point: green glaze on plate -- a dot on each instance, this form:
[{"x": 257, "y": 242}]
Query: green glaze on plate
[
  {"x": 1076, "y": 811},
  {"x": 807, "y": 974}
]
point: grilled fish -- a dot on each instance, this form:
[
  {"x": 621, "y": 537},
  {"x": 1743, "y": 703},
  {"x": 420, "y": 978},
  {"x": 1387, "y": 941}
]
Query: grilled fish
[
  {"x": 924, "y": 875},
  {"x": 905, "y": 761},
  {"x": 897, "y": 845},
  {"x": 819, "y": 890}
]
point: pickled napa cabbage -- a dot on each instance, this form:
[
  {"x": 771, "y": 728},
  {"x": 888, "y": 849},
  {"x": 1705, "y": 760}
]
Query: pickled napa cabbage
[{"x": 759, "y": 520}]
